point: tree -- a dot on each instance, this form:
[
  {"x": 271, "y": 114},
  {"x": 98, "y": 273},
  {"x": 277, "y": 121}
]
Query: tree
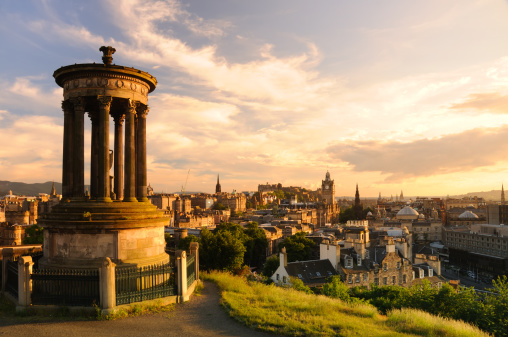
[
  {"x": 34, "y": 235},
  {"x": 184, "y": 243},
  {"x": 271, "y": 265},
  {"x": 298, "y": 247},
  {"x": 255, "y": 243},
  {"x": 219, "y": 207},
  {"x": 347, "y": 214},
  {"x": 336, "y": 289},
  {"x": 221, "y": 250}
]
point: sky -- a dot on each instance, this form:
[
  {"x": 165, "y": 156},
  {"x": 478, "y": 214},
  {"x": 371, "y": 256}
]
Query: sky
[{"x": 391, "y": 95}]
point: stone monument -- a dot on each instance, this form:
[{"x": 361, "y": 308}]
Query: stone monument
[{"x": 84, "y": 229}]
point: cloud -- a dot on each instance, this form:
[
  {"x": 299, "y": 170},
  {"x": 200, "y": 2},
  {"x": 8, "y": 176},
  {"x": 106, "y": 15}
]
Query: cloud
[
  {"x": 493, "y": 102},
  {"x": 425, "y": 157},
  {"x": 30, "y": 152}
]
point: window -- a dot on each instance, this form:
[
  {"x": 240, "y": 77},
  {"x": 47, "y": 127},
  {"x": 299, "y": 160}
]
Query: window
[
  {"x": 318, "y": 274},
  {"x": 385, "y": 266},
  {"x": 350, "y": 278},
  {"x": 358, "y": 278},
  {"x": 366, "y": 277},
  {"x": 359, "y": 261},
  {"x": 398, "y": 265},
  {"x": 404, "y": 278},
  {"x": 385, "y": 280},
  {"x": 394, "y": 280},
  {"x": 367, "y": 254},
  {"x": 349, "y": 262},
  {"x": 277, "y": 277},
  {"x": 376, "y": 281},
  {"x": 431, "y": 272},
  {"x": 284, "y": 279}
]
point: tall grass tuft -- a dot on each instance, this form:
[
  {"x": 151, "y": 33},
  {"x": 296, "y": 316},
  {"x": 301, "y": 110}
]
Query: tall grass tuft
[{"x": 424, "y": 324}]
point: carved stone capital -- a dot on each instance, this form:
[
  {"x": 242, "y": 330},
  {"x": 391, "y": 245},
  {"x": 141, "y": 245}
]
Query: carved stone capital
[
  {"x": 105, "y": 101},
  {"x": 142, "y": 110},
  {"x": 78, "y": 103},
  {"x": 67, "y": 107},
  {"x": 119, "y": 118},
  {"x": 131, "y": 106},
  {"x": 94, "y": 117}
]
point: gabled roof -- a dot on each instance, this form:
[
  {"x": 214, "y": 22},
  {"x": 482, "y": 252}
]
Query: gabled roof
[{"x": 313, "y": 272}]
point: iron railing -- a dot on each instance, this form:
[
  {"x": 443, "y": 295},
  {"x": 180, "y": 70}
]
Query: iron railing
[
  {"x": 65, "y": 287},
  {"x": 145, "y": 283},
  {"x": 11, "y": 284},
  {"x": 191, "y": 269}
]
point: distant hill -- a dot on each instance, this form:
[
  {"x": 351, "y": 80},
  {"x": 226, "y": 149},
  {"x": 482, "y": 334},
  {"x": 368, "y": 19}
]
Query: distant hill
[
  {"x": 19, "y": 188},
  {"x": 494, "y": 195}
]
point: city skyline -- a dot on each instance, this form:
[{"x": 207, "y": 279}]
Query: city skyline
[{"x": 392, "y": 96}]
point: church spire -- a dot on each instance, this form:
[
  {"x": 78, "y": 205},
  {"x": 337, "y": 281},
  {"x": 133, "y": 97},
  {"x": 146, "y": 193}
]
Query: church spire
[
  {"x": 218, "y": 187},
  {"x": 357, "y": 196},
  {"x": 502, "y": 194},
  {"x": 53, "y": 190}
]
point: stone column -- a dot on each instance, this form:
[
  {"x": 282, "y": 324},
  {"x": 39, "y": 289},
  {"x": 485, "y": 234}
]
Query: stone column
[
  {"x": 141, "y": 181},
  {"x": 25, "y": 265},
  {"x": 78, "y": 148},
  {"x": 103, "y": 162},
  {"x": 130, "y": 153},
  {"x": 68, "y": 159},
  {"x": 107, "y": 284},
  {"x": 118, "y": 170},
  {"x": 94, "y": 154},
  {"x": 181, "y": 265}
]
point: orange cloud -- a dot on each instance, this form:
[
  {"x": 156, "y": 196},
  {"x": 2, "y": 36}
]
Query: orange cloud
[{"x": 489, "y": 102}]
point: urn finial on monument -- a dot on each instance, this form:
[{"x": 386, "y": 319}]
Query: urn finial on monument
[{"x": 107, "y": 57}]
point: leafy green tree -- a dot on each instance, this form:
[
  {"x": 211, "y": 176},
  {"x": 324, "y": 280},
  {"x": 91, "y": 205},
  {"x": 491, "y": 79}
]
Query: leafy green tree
[
  {"x": 298, "y": 247},
  {"x": 34, "y": 235},
  {"x": 495, "y": 311},
  {"x": 255, "y": 243},
  {"x": 297, "y": 284},
  {"x": 271, "y": 265},
  {"x": 347, "y": 214},
  {"x": 184, "y": 243},
  {"x": 222, "y": 250},
  {"x": 336, "y": 289},
  {"x": 219, "y": 207}
]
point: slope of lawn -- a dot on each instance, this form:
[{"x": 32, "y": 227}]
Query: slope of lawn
[{"x": 291, "y": 312}]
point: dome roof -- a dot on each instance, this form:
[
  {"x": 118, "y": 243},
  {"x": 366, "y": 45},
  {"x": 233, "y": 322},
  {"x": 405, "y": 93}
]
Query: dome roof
[
  {"x": 407, "y": 210},
  {"x": 468, "y": 215}
]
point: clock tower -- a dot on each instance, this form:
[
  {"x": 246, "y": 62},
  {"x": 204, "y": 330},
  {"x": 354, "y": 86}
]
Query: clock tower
[{"x": 328, "y": 189}]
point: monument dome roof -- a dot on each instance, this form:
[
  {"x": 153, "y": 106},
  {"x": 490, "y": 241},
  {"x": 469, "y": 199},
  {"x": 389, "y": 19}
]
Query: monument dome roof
[
  {"x": 468, "y": 215},
  {"x": 407, "y": 210}
]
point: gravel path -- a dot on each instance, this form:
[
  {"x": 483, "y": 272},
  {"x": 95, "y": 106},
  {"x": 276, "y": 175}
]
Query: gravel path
[{"x": 201, "y": 316}]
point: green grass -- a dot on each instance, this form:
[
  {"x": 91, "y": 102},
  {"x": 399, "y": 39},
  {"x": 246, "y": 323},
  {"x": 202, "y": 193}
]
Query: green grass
[
  {"x": 135, "y": 309},
  {"x": 424, "y": 324},
  {"x": 290, "y": 312}
]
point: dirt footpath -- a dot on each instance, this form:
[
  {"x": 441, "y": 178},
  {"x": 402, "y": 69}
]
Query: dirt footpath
[{"x": 201, "y": 316}]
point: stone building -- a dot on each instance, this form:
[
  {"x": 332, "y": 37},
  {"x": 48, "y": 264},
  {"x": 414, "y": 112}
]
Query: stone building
[
  {"x": 11, "y": 234},
  {"x": 482, "y": 246}
]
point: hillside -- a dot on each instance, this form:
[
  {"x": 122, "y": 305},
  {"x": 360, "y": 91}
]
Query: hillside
[
  {"x": 294, "y": 313},
  {"x": 19, "y": 188}
]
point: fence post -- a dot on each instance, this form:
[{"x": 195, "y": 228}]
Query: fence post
[
  {"x": 107, "y": 284},
  {"x": 7, "y": 254},
  {"x": 181, "y": 263},
  {"x": 194, "y": 250},
  {"x": 24, "y": 282}
]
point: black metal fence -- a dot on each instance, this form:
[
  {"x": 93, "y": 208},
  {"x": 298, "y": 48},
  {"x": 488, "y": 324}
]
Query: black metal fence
[
  {"x": 191, "y": 269},
  {"x": 65, "y": 287},
  {"x": 11, "y": 284},
  {"x": 146, "y": 283}
]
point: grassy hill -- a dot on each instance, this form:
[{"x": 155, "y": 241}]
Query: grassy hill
[
  {"x": 291, "y": 312},
  {"x": 19, "y": 188}
]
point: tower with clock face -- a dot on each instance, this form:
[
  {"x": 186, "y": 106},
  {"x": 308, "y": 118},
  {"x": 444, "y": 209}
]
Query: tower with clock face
[{"x": 328, "y": 189}]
